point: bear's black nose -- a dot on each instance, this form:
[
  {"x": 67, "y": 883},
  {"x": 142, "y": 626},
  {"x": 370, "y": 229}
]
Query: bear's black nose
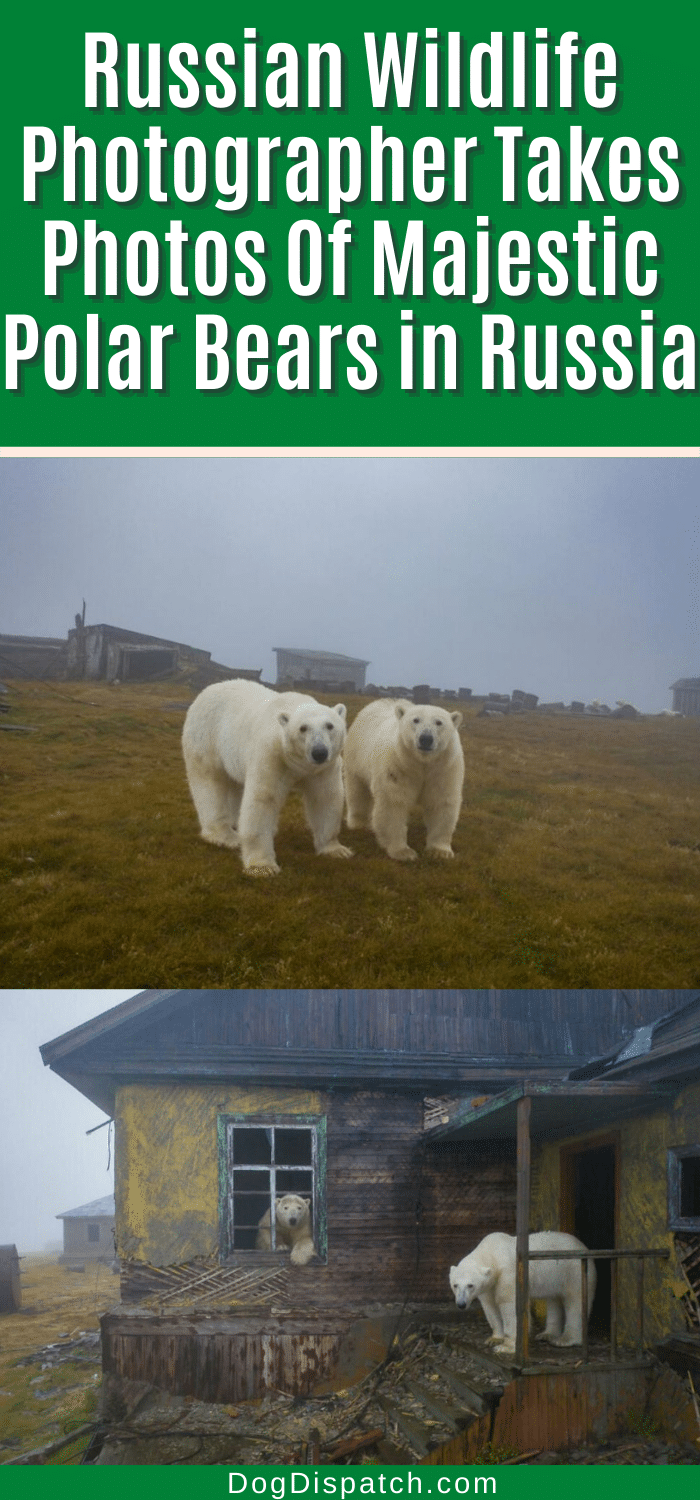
[
  {"x": 319, "y": 754},
  {"x": 425, "y": 741}
]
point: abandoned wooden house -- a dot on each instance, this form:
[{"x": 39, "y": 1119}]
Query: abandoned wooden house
[
  {"x": 686, "y": 696},
  {"x": 324, "y": 670},
  {"x": 382, "y": 1108},
  {"x": 112, "y": 654},
  {"x": 88, "y": 1233}
]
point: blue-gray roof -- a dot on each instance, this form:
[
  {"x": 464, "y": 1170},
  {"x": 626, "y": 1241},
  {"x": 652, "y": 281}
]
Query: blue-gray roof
[{"x": 101, "y": 1208}]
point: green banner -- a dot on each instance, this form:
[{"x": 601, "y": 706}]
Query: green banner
[
  {"x": 337, "y": 1482},
  {"x": 372, "y": 226}
]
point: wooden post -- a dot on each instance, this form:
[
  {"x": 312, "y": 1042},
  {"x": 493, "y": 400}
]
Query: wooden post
[
  {"x": 522, "y": 1233},
  {"x": 640, "y": 1307},
  {"x": 584, "y": 1310}
]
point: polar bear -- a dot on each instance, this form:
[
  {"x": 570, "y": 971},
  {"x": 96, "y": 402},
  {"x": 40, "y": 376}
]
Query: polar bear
[
  {"x": 245, "y": 748},
  {"x": 292, "y": 1228},
  {"x": 398, "y": 755},
  {"x": 488, "y": 1274}
]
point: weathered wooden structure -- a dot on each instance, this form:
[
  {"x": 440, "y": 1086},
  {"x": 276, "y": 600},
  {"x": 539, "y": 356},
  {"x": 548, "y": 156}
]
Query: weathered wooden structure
[
  {"x": 88, "y": 1232},
  {"x": 686, "y": 696},
  {"x": 322, "y": 669},
  {"x": 224, "y": 1099},
  {"x": 110, "y": 653},
  {"x": 36, "y": 657},
  {"x": 10, "y": 1281},
  {"x": 612, "y": 1155}
]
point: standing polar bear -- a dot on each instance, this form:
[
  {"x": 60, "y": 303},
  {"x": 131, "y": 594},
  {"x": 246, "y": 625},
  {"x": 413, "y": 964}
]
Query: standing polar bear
[
  {"x": 488, "y": 1275},
  {"x": 399, "y": 755},
  {"x": 245, "y": 748},
  {"x": 292, "y": 1229}
]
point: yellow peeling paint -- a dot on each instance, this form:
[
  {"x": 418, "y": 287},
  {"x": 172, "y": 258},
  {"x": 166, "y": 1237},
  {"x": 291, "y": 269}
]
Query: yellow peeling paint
[
  {"x": 643, "y": 1208},
  {"x": 166, "y": 1179}
]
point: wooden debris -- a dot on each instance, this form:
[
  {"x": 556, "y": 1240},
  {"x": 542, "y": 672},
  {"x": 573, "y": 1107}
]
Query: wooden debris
[{"x": 354, "y": 1444}]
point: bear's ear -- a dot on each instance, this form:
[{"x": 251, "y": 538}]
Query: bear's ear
[
  {"x": 456, "y": 718},
  {"x": 304, "y": 1199},
  {"x": 282, "y": 718},
  {"x": 400, "y": 708},
  {"x": 341, "y": 710}
]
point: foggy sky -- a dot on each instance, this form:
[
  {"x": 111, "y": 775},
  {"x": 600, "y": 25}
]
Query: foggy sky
[
  {"x": 569, "y": 578},
  {"x": 47, "y": 1163}
]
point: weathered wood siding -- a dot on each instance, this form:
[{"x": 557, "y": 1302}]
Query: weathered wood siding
[{"x": 399, "y": 1213}]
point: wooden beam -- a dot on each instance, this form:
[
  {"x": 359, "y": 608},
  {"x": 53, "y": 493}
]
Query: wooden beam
[{"x": 522, "y": 1232}]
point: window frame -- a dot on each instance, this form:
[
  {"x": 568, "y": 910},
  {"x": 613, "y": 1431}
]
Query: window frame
[
  {"x": 316, "y": 1124},
  {"x": 93, "y": 1233},
  {"x": 676, "y": 1220}
]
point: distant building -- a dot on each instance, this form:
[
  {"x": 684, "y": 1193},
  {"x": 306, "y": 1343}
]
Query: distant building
[
  {"x": 88, "y": 1232},
  {"x": 32, "y": 656},
  {"x": 109, "y": 653},
  {"x": 319, "y": 668},
  {"x": 686, "y": 696}
]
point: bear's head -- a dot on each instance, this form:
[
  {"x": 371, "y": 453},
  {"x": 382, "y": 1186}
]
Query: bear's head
[
  {"x": 469, "y": 1279},
  {"x": 426, "y": 731},
  {"x": 312, "y": 736},
  {"x": 292, "y": 1211}
]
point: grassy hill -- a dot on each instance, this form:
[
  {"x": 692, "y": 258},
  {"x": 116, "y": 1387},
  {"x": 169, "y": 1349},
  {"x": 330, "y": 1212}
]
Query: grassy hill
[{"x": 578, "y": 862}]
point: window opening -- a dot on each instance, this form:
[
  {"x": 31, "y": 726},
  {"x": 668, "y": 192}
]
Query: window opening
[
  {"x": 684, "y": 1188},
  {"x": 267, "y": 1162},
  {"x": 93, "y": 1234}
]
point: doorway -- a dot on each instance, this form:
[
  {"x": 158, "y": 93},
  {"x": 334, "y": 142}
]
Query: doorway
[{"x": 589, "y": 1196}]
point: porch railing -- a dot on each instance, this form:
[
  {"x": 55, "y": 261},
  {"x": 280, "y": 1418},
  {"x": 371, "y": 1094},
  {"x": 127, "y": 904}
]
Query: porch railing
[{"x": 522, "y": 1347}]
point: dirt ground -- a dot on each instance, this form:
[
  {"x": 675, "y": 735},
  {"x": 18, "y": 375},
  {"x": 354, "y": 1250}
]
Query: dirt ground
[{"x": 44, "y": 1393}]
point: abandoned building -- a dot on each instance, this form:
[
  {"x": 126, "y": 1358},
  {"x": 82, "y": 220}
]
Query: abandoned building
[
  {"x": 35, "y": 657},
  {"x": 686, "y": 696},
  {"x": 399, "y": 1116},
  {"x": 88, "y": 1233},
  {"x": 111, "y": 654},
  {"x": 324, "y": 670}
]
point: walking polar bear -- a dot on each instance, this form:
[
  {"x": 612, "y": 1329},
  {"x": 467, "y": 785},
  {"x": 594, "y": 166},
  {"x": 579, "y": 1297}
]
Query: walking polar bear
[
  {"x": 245, "y": 748},
  {"x": 399, "y": 755},
  {"x": 292, "y": 1229},
  {"x": 488, "y": 1275}
]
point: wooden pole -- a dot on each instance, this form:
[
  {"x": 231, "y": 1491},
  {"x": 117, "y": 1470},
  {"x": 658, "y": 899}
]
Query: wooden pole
[{"x": 522, "y": 1233}]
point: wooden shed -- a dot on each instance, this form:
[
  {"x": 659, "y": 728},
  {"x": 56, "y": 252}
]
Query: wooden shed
[
  {"x": 88, "y": 1233},
  {"x": 225, "y": 1099},
  {"x": 686, "y": 696},
  {"x": 320, "y": 669}
]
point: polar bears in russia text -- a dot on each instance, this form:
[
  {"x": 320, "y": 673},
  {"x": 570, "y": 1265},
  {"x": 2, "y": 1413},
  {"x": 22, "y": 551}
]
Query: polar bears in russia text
[
  {"x": 487, "y": 1275},
  {"x": 246, "y": 747},
  {"x": 292, "y": 1229},
  {"x": 398, "y": 756}
]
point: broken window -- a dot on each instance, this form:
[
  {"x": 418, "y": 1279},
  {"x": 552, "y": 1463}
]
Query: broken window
[
  {"x": 684, "y": 1188},
  {"x": 262, "y": 1164}
]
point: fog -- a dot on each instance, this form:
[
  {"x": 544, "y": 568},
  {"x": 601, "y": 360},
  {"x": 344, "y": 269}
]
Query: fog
[
  {"x": 569, "y": 578},
  {"x": 48, "y": 1164}
]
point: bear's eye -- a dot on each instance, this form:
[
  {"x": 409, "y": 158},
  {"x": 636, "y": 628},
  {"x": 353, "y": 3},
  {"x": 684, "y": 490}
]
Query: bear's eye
[
  {"x": 303, "y": 728},
  {"x": 330, "y": 726},
  {"x": 416, "y": 721}
]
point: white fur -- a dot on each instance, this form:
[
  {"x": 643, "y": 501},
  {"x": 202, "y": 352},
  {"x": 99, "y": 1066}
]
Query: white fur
[
  {"x": 292, "y": 1228},
  {"x": 399, "y": 755},
  {"x": 487, "y": 1275},
  {"x": 245, "y": 748}
]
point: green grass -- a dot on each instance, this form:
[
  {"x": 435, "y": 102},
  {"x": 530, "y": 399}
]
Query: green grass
[{"x": 578, "y": 863}]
